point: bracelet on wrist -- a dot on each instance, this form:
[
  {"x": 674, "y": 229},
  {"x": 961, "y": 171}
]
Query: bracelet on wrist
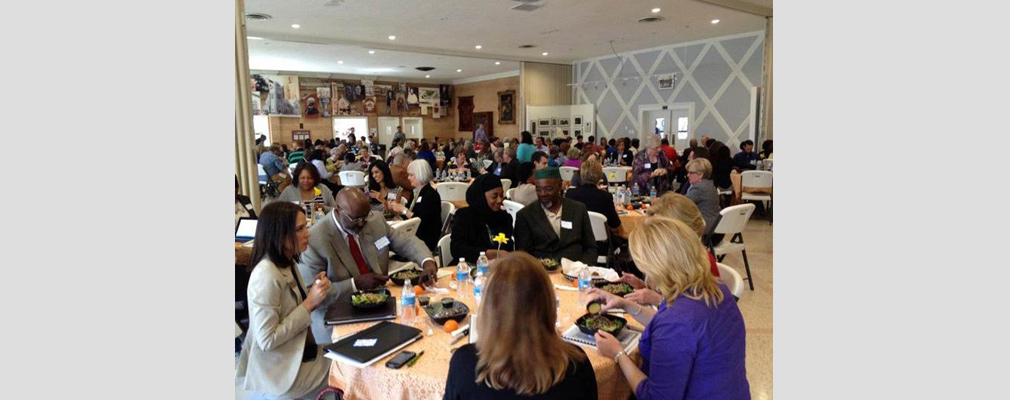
[{"x": 618, "y": 356}]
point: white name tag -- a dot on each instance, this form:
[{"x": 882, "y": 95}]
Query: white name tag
[
  {"x": 248, "y": 207},
  {"x": 365, "y": 342},
  {"x": 566, "y": 224},
  {"x": 381, "y": 243},
  {"x": 418, "y": 200},
  {"x": 391, "y": 196},
  {"x": 648, "y": 165}
]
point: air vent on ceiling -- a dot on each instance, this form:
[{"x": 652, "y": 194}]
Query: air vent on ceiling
[
  {"x": 425, "y": 69},
  {"x": 650, "y": 19},
  {"x": 526, "y": 6},
  {"x": 527, "y": 46},
  {"x": 257, "y": 16}
]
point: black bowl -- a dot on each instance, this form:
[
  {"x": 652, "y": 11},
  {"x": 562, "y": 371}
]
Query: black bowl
[
  {"x": 399, "y": 282},
  {"x": 457, "y": 313},
  {"x": 369, "y": 306},
  {"x": 627, "y": 288},
  {"x": 556, "y": 267},
  {"x": 581, "y": 323}
]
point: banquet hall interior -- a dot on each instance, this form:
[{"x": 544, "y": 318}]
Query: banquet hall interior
[{"x": 321, "y": 82}]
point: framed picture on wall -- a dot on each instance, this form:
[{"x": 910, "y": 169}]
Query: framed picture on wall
[
  {"x": 554, "y": 122},
  {"x": 506, "y": 107},
  {"x": 666, "y": 82},
  {"x": 544, "y": 123},
  {"x": 577, "y": 132},
  {"x": 588, "y": 128},
  {"x": 577, "y": 121},
  {"x": 545, "y": 132},
  {"x": 563, "y": 122}
]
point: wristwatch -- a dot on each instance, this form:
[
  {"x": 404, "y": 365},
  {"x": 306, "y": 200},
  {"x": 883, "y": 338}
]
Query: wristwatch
[{"x": 618, "y": 355}]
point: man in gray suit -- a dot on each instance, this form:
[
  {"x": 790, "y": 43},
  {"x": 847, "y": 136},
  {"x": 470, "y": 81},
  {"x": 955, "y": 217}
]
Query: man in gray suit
[
  {"x": 352, "y": 245},
  {"x": 555, "y": 227}
]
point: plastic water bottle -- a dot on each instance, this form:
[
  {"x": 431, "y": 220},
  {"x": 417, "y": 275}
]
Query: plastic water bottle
[
  {"x": 483, "y": 264},
  {"x": 584, "y": 283},
  {"x": 652, "y": 191},
  {"x": 462, "y": 275},
  {"x": 407, "y": 302},
  {"x": 626, "y": 197},
  {"x": 634, "y": 190},
  {"x": 478, "y": 287}
]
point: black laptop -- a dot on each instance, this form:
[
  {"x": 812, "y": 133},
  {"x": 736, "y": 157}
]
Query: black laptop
[
  {"x": 371, "y": 344},
  {"x": 342, "y": 312}
]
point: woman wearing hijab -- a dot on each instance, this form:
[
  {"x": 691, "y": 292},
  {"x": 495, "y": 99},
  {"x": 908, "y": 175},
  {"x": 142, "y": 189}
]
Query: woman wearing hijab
[{"x": 474, "y": 227}]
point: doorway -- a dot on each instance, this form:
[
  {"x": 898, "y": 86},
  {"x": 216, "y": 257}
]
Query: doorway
[
  {"x": 387, "y": 128},
  {"x": 673, "y": 122},
  {"x": 413, "y": 127},
  {"x": 344, "y": 126}
]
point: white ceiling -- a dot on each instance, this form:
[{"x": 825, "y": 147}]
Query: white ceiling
[{"x": 568, "y": 29}]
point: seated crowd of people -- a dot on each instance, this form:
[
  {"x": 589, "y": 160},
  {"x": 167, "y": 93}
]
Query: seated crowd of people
[{"x": 693, "y": 345}]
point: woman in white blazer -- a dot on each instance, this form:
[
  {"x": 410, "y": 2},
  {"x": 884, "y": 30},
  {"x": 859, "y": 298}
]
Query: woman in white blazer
[{"x": 280, "y": 359}]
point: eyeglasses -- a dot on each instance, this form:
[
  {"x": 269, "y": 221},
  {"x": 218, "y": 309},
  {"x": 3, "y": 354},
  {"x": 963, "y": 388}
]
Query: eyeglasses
[{"x": 358, "y": 220}]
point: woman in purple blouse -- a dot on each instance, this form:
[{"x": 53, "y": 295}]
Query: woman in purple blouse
[
  {"x": 693, "y": 347},
  {"x": 650, "y": 167}
]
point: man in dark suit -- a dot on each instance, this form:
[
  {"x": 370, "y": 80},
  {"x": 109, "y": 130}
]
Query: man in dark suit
[
  {"x": 554, "y": 226},
  {"x": 508, "y": 168},
  {"x": 352, "y": 245}
]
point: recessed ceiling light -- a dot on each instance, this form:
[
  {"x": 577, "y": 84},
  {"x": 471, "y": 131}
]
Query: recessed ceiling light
[
  {"x": 371, "y": 52},
  {"x": 477, "y": 47},
  {"x": 391, "y": 37},
  {"x": 296, "y": 26},
  {"x": 340, "y": 62},
  {"x": 427, "y": 76},
  {"x": 253, "y": 38},
  {"x": 459, "y": 70},
  {"x": 497, "y": 63},
  {"x": 715, "y": 21},
  {"x": 544, "y": 53},
  {"x": 656, "y": 10}
]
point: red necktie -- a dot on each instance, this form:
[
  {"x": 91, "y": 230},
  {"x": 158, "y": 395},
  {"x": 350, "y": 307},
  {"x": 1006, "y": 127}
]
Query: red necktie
[{"x": 356, "y": 253}]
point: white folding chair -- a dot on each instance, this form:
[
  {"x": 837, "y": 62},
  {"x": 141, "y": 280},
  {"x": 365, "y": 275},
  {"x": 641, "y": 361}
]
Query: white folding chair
[
  {"x": 262, "y": 174},
  {"x": 352, "y": 178},
  {"x": 409, "y": 226},
  {"x": 757, "y": 180},
  {"x": 445, "y": 250},
  {"x": 616, "y": 174},
  {"x": 452, "y": 191},
  {"x": 599, "y": 222},
  {"x": 508, "y": 193},
  {"x": 506, "y": 183},
  {"x": 731, "y": 278},
  {"x": 567, "y": 173},
  {"x": 731, "y": 223},
  {"x": 512, "y": 208},
  {"x": 448, "y": 209}
]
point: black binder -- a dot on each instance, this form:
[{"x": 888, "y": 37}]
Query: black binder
[
  {"x": 342, "y": 312},
  {"x": 373, "y": 343}
]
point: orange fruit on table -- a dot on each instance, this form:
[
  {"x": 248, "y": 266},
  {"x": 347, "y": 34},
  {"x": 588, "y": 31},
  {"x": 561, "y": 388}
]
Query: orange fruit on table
[
  {"x": 450, "y": 325},
  {"x": 418, "y": 290}
]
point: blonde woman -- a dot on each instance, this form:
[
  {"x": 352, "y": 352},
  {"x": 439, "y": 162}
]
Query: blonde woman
[
  {"x": 694, "y": 346},
  {"x": 678, "y": 207},
  {"x": 518, "y": 354}
]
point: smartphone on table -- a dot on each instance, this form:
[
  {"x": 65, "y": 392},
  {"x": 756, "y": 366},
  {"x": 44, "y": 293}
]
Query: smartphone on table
[{"x": 400, "y": 359}]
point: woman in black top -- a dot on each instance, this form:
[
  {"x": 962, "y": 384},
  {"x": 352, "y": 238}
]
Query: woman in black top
[
  {"x": 427, "y": 204},
  {"x": 722, "y": 165},
  {"x": 475, "y": 226},
  {"x": 623, "y": 154},
  {"x": 519, "y": 356}
]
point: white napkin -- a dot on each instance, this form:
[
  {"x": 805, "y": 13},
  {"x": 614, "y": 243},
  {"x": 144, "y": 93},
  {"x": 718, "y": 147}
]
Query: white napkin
[{"x": 572, "y": 268}]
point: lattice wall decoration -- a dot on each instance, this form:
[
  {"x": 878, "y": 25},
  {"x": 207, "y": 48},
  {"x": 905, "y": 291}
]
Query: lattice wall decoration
[{"x": 715, "y": 74}]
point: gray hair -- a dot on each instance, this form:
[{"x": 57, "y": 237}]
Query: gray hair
[
  {"x": 421, "y": 171},
  {"x": 651, "y": 141},
  {"x": 511, "y": 151},
  {"x": 700, "y": 165},
  {"x": 401, "y": 158}
]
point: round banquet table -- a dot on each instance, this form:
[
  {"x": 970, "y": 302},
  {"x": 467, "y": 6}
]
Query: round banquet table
[
  {"x": 426, "y": 379},
  {"x": 630, "y": 221}
]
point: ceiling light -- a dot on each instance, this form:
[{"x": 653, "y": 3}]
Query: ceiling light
[
  {"x": 715, "y": 21},
  {"x": 427, "y": 76},
  {"x": 477, "y": 47},
  {"x": 340, "y": 62},
  {"x": 253, "y": 38},
  {"x": 656, "y": 10},
  {"x": 371, "y": 52},
  {"x": 391, "y": 37},
  {"x": 459, "y": 70},
  {"x": 497, "y": 63},
  {"x": 544, "y": 53},
  {"x": 296, "y": 26}
]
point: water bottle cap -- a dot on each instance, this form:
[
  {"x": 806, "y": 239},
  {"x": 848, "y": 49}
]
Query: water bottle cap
[
  {"x": 461, "y": 259},
  {"x": 482, "y": 253}
]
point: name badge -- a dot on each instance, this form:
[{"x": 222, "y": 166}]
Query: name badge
[
  {"x": 648, "y": 165},
  {"x": 566, "y": 224},
  {"x": 381, "y": 243},
  {"x": 391, "y": 196},
  {"x": 248, "y": 207},
  {"x": 418, "y": 200}
]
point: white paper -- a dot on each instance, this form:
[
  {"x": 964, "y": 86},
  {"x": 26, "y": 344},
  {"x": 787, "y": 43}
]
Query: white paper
[
  {"x": 572, "y": 268},
  {"x": 365, "y": 342}
]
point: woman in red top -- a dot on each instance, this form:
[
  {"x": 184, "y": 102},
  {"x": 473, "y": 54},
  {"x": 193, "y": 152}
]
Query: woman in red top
[{"x": 683, "y": 209}]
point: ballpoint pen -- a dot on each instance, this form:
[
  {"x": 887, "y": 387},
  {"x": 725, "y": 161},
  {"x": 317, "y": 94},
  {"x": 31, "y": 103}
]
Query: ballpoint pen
[{"x": 414, "y": 360}]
